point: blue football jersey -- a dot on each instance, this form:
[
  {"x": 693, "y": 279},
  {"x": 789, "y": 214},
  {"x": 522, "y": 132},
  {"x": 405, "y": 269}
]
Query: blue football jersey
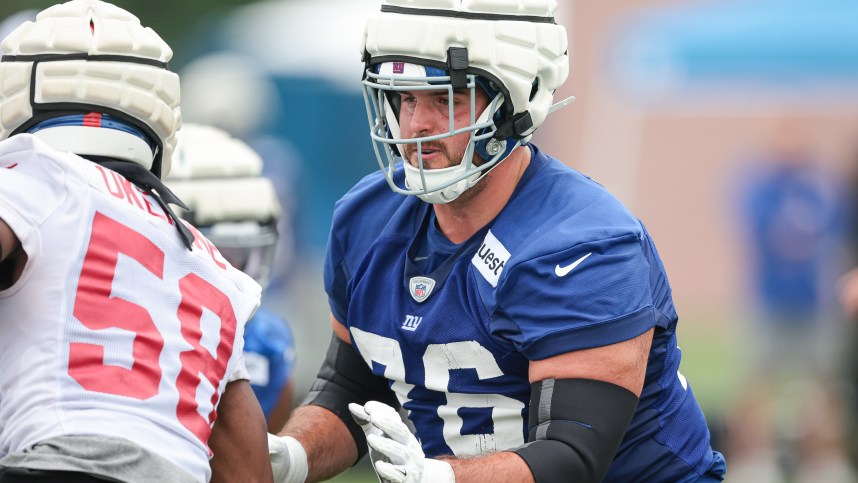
[
  {"x": 269, "y": 354},
  {"x": 563, "y": 267}
]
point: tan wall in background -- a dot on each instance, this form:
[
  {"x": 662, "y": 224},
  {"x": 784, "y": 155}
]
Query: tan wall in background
[{"x": 673, "y": 165}]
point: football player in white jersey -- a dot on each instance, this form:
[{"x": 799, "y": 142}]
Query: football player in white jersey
[
  {"x": 121, "y": 326},
  {"x": 512, "y": 308}
]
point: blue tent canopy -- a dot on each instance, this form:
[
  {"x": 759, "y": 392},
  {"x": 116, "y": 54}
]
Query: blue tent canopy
[{"x": 786, "y": 45}]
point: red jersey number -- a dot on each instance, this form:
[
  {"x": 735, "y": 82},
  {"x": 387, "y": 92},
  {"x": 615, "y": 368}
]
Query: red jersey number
[
  {"x": 96, "y": 309},
  {"x": 196, "y": 294}
]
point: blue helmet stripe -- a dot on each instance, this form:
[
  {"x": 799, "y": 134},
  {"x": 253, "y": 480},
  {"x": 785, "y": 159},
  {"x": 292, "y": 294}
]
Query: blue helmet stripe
[{"x": 107, "y": 122}]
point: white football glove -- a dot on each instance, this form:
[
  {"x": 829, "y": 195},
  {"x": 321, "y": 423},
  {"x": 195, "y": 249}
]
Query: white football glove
[
  {"x": 399, "y": 457},
  {"x": 288, "y": 459},
  {"x": 362, "y": 418}
]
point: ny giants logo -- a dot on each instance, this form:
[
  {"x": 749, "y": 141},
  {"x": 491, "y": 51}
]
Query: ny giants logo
[
  {"x": 399, "y": 67},
  {"x": 411, "y": 322}
]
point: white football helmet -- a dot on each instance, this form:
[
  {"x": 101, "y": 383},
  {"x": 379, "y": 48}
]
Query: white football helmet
[
  {"x": 220, "y": 179},
  {"x": 88, "y": 56},
  {"x": 513, "y": 50}
]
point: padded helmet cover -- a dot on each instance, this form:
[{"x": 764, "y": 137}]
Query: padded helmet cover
[{"x": 89, "y": 55}]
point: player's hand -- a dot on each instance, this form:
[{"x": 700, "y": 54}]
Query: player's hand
[
  {"x": 288, "y": 459},
  {"x": 400, "y": 458},
  {"x": 362, "y": 418}
]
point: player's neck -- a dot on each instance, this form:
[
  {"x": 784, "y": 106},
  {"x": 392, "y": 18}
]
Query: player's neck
[{"x": 460, "y": 219}]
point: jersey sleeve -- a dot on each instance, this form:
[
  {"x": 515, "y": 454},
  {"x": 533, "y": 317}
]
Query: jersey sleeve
[
  {"x": 359, "y": 217},
  {"x": 32, "y": 187},
  {"x": 239, "y": 370},
  {"x": 336, "y": 279},
  {"x": 586, "y": 296}
]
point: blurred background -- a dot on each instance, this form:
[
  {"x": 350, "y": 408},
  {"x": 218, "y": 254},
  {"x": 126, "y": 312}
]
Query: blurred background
[{"x": 730, "y": 128}]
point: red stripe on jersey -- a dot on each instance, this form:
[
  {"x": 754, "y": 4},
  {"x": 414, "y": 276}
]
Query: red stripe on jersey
[{"x": 93, "y": 119}]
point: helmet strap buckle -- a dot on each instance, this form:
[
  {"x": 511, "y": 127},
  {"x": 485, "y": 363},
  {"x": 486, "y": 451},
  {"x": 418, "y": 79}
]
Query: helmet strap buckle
[
  {"x": 457, "y": 66},
  {"x": 516, "y": 127}
]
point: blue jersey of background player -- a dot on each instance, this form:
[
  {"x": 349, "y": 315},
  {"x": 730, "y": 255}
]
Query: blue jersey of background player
[
  {"x": 237, "y": 209},
  {"x": 515, "y": 311},
  {"x": 269, "y": 354}
]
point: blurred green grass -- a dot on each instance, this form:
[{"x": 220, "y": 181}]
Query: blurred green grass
[
  {"x": 712, "y": 358},
  {"x": 359, "y": 473}
]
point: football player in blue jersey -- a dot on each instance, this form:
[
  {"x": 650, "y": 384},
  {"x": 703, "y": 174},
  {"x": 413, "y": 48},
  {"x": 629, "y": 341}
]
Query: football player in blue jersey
[
  {"x": 219, "y": 177},
  {"x": 508, "y": 306}
]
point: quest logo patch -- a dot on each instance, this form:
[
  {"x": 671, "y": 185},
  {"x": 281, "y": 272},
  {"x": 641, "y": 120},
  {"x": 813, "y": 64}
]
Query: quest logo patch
[{"x": 491, "y": 258}]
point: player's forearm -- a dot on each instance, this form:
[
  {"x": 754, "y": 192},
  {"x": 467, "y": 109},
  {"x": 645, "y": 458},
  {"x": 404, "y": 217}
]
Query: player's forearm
[
  {"x": 329, "y": 444},
  {"x": 487, "y": 468},
  {"x": 237, "y": 440}
]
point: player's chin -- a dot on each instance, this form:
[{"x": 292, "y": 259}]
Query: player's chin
[{"x": 431, "y": 160}]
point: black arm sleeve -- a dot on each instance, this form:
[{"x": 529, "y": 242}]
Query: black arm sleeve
[
  {"x": 345, "y": 378},
  {"x": 575, "y": 428}
]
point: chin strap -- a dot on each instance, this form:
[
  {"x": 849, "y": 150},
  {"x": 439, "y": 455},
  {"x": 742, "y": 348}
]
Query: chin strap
[
  {"x": 153, "y": 187},
  {"x": 561, "y": 104},
  {"x": 522, "y": 122}
]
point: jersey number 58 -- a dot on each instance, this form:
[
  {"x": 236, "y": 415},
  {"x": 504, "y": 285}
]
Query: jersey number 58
[{"x": 97, "y": 309}]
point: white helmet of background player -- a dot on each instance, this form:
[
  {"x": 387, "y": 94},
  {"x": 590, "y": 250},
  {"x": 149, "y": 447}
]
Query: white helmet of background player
[
  {"x": 220, "y": 179},
  {"x": 513, "y": 50},
  {"x": 88, "y": 56}
]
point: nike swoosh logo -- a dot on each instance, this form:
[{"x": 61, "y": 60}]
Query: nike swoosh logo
[{"x": 563, "y": 271}]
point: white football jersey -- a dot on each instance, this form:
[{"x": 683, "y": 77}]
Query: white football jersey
[{"x": 114, "y": 328}]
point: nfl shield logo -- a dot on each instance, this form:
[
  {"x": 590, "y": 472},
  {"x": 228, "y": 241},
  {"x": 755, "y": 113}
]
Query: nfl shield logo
[
  {"x": 399, "y": 67},
  {"x": 421, "y": 288}
]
